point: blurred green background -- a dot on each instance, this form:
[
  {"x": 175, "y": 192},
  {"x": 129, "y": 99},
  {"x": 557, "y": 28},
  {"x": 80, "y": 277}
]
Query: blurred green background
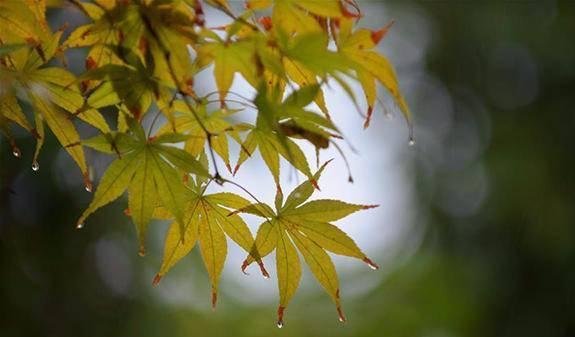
[{"x": 489, "y": 248}]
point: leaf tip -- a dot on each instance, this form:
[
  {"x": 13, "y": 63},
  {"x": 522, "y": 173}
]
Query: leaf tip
[
  {"x": 370, "y": 263},
  {"x": 245, "y": 265},
  {"x": 87, "y": 183},
  {"x": 156, "y": 280},
  {"x": 377, "y": 35},
  {"x": 236, "y": 170},
  {"x": 314, "y": 184},
  {"x": 263, "y": 270},
  {"x": 142, "y": 251},
  {"x": 368, "y": 117},
  {"x": 340, "y": 315},
  {"x": 214, "y": 299},
  {"x": 280, "y": 322},
  {"x": 369, "y": 206}
]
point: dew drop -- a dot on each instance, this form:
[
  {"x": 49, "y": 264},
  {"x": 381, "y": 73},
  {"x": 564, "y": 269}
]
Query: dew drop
[
  {"x": 388, "y": 114},
  {"x": 411, "y": 142},
  {"x": 341, "y": 319},
  {"x": 370, "y": 264},
  {"x": 88, "y": 188},
  {"x": 80, "y": 225},
  {"x": 266, "y": 276},
  {"x": 280, "y": 324},
  {"x": 16, "y": 152},
  {"x": 35, "y": 166}
]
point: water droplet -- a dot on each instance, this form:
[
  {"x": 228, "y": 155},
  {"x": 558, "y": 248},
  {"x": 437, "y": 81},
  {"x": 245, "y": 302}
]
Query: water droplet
[
  {"x": 87, "y": 183},
  {"x": 266, "y": 276},
  {"x": 341, "y": 319},
  {"x": 280, "y": 324},
  {"x": 388, "y": 114},
  {"x": 80, "y": 225},
  {"x": 411, "y": 142},
  {"x": 371, "y": 264},
  {"x": 16, "y": 152},
  {"x": 35, "y": 166}
]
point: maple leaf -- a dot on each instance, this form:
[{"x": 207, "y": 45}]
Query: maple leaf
[
  {"x": 208, "y": 221},
  {"x": 276, "y": 122},
  {"x": 302, "y": 226},
  {"x": 188, "y": 123},
  {"x": 149, "y": 169},
  {"x": 371, "y": 66},
  {"x": 51, "y": 93}
]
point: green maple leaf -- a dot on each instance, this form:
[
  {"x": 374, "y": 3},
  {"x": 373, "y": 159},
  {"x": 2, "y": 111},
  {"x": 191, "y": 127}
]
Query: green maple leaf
[
  {"x": 207, "y": 221},
  {"x": 52, "y": 94},
  {"x": 149, "y": 169},
  {"x": 277, "y": 121},
  {"x": 193, "y": 124},
  {"x": 371, "y": 66},
  {"x": 302, "y": 226}
]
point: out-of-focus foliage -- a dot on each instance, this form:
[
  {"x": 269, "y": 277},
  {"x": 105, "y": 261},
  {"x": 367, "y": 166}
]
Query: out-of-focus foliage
[
  {"x": 143, "y": 58},
  {"x": 490, "y": 251}
]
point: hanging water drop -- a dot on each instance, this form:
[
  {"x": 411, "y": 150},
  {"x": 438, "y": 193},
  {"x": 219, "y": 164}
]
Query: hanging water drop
[
  {"x": 411, "y": 142},
  {"x": 371, "y": 264},
  {"x": 80, "y": 225},
  {"x": 16, "y": 152},
  {"x": 280, "y": 324},
  {"x": 266, "y": 276},
  {"x": 387, "y": 114},
  {"x": 35, "y": 166},
  {"x": 88, "y": 187}
]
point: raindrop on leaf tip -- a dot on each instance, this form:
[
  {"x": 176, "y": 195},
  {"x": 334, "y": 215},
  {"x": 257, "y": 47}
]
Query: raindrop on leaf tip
[
  {"x": 280, "y": 324},
  {"x": 35, "y": 166}
]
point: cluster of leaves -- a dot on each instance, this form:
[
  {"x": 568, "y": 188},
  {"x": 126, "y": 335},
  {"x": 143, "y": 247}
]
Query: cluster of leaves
[{"x": 142, "y": 58}]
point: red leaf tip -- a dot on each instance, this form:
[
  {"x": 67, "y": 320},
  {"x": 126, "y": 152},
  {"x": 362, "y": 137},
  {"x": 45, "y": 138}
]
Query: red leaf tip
[
  {"x": 88, "y": 184},
  {"x": 263, "y": 270},
  {"x": 370, "y": 263},
  {"x": 340, "y": 315},
  {"x": 281, "y": 317},
  {"x": 369, "y": 206},
  {"x": 156, "y": 280},
  {"x": 245, "y": 265},
  {"x": 214, "y": 299},
  {"x": 314, "y": 184},
  {"x": 377, "y": 35},
  {"x": 368, "y": 118}
]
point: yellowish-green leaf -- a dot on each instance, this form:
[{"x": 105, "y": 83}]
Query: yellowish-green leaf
[
  {"x": 324, "y": 210},
  {"x": 114, "y": 182},
  {"x": 213, "y": 247},
  {"x": 174, "y": 248},
  {"x": 142, "y": 198},
  {"x": 289, "y": 271},
  {"x": 320, "y": 265}
]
